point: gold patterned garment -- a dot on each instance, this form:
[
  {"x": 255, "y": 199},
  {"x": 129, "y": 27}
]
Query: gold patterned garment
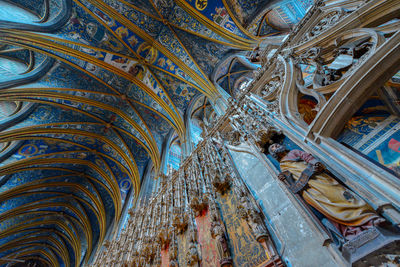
[{"x": 331, "y": 198}]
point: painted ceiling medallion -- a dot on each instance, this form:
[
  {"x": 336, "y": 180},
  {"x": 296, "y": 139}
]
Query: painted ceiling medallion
[{"x": 201, "y": 4}]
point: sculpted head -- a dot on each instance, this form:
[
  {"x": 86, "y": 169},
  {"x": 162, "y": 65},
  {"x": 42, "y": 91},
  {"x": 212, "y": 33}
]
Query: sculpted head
[{"x": 277, "y": 150}]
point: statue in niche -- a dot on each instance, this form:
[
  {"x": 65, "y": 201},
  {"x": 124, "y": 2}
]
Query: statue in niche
[
  {"x": 157, "y": 262},
  {"x": 346, "y": 211},
  {"x": 164, "y": 235},
  {"x": 218, "y": 233}
]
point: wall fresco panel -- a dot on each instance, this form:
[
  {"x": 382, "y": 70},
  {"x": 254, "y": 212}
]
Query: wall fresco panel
[
  {"x": 246, "y": 251},
  {"x": 164, "y": 258},
  {"x": 208, "y": 244}
]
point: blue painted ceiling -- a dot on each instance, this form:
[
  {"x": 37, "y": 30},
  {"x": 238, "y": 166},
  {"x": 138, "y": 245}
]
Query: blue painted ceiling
[{"x": 89, "y": 91}]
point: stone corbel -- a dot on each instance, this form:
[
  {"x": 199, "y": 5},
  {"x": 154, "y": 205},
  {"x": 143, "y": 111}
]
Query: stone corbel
[
  {"x": 199, "y": 204},
  {"x": 180, "y": 221},
  {"x": 164, "y": 236},
  {"x": 220, "y": 181}
]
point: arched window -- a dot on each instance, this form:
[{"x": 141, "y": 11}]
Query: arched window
[
  {"x": 19, "y": 66},
  {"x": 38, "y": 15},
  {"x": 243, "y": 83},
  {"x": 15, "y": 13},
  {"x": 196, "y": 131},
  {"x": 9, "y": 108},
  {"x": 202, "y": 114},
  {"x": 10, "y": 67},
  {"x": 174, "y": 155},
  {"x": 279, "y": 17}
]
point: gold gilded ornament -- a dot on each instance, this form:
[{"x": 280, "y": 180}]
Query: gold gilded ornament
[{"x": 201, "y": 4}]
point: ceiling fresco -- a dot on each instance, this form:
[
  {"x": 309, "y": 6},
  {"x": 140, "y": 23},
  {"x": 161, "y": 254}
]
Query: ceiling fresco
[{"x": 90, "y": 92}]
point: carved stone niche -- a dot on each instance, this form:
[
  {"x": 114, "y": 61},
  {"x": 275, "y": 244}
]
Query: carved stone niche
[
  {"x": 255, "y": 55},
  {"x": 157, "y": 261},
  {"x": 148, "y": 252},
  {"x": 135, "y": 259},
  {"x": 233, "y": 137},
  {"x": 218, "y": 232},
  {"x": 106, "y": 244},
  {"x": 173, "y": 254},
  {"x": 127, "y": 263},
  {"x": 250, "y": 213}
]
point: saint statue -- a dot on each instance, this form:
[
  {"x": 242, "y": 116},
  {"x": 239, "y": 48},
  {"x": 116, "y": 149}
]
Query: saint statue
[
  {"x": 218, "y": 233},
  {"x": 305, "y": 175}
]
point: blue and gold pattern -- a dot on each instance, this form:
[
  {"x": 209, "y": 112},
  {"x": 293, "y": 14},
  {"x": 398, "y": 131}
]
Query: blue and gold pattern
[{"x": 93, "y": 89}]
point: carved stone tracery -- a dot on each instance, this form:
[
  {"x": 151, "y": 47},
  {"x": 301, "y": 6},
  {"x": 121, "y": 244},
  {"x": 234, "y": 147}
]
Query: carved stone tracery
[
  {"x": 272, "y": 87},
  {"x": 325, "y": 23}
]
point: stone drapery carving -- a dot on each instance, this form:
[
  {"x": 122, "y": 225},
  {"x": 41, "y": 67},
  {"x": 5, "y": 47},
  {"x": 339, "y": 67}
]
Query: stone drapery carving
[{"x": 306, "y": 176}]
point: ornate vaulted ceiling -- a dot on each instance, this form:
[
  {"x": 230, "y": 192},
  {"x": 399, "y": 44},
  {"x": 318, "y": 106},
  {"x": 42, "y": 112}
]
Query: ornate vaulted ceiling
[{"x": 90, "y": 89}]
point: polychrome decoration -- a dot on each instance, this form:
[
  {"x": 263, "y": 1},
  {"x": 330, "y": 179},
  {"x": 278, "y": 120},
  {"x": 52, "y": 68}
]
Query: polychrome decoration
[{"x": 90, "y": 90}]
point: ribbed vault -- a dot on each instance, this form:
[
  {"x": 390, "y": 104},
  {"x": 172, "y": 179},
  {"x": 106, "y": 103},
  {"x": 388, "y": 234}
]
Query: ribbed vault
[{"x": 89, "y": 91}]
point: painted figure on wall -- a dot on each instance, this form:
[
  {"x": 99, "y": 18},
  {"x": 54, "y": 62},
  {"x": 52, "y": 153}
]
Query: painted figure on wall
[
  {"x": 307, "y": 108},
  {"x": 137, "y": 71},
  {"x": 387, "y": 152},
  {"x": 306, "y": 176},
  {"x": 373, "y": 132}
]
